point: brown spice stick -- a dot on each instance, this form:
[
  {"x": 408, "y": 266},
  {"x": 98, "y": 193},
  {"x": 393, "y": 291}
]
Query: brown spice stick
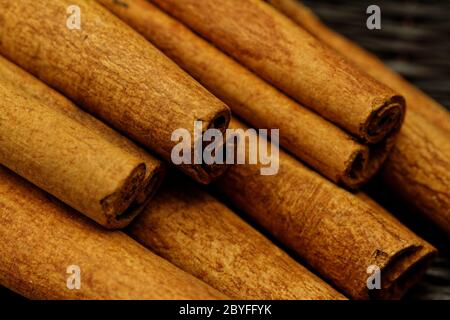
[
  {"x": 197, "y": 233},
  {"x": 274, "y": 47},
  {"x": 67, "y": 159},
  {"x": 417, "y": 100},
  {"x": 336, "y": 233},
  {"x": 412, "y": 260},
  {"x": 313, "y": 139},
  {"x": 112, "y": 72},
  {"x": 419, "y": 166},
  {"x": 40, "y": 238},
  {"x": 63, "y": 158}
]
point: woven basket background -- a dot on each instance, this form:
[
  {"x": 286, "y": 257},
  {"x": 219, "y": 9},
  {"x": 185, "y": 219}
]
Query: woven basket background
[{"x": 414, "y": 40}]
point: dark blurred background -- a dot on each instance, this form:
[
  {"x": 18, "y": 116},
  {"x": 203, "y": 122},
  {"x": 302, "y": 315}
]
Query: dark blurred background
[{"x": 414, "y": 40}]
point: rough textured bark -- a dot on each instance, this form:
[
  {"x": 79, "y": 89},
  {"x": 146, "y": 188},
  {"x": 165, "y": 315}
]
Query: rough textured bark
[
  {"x": 36, "y": 89},
  {"x": 419, "y": 167},
  {"x": 41, "y": 237},
  {"x": 111, "y": 71},
  {"x": 417, "y": 101},
  {"x": 334, "y": 231},
  {"x": 274, "y": 47},
  {"x": 321, "y": 144},
  {"x": 49, "y": 141},
  {"x": 202, "y": 236},
  {"x": 413, "y": 260}
]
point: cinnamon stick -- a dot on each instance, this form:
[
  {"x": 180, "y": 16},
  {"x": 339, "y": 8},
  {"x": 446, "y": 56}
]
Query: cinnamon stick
[
  {"x": 36, "y": 89},
  {"x": 419, "y": 167},
  {"x": 418, "y": 101},
  {"x": 65, "y": 158},
  {"x": 334, "y": 231},
  {"x": 413, "y": 260},
  {"x": 51, "y": 142},
  {"x": 199, "y": 234},
  {"x": 308, "y": 136},
  {"x": 112, "y": 72},
  {"x": 271, "y": 45},
  {"x": 41, "y": 238}
]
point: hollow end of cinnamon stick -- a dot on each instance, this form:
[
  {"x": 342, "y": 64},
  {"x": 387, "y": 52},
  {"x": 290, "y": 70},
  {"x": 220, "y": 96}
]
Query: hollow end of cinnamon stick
[
  {"x": 403, "y": 271},
  {"x": 117, "y": 207},
  {"x": 122, "y": 207},
  {"x": 384, "y": 119},
  {"x": 381, "y": 129},
  {"x": 355, "y": 175},
  {"x": 151, "y": 185},
  {"x": 220, "y": 121},
  {"x": 207, "y": 173},
  {"x": 365, "y": 163}
]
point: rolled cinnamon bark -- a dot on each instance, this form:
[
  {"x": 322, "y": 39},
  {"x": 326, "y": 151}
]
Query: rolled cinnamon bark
[
  {"x": 419, "y": 166},
  {"x": 112, "y": 72},
  {"x": 308, "y": 136},
  {"x": 411, "y": 260},
  {"x": 257, "y": 35},
  {"x": 336, "y": 233},
  {"x": 419, "y": 169},
  {"x": 34, "y": 89},
  {"x": 418, "y": 101},
  {"x": 199, "y": 234},
  {"x": 66, "y": 159},
  {"x": 41, "y": 238}
]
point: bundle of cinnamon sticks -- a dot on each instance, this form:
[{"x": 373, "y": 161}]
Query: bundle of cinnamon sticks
[{"x": 87, "y": 126}]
